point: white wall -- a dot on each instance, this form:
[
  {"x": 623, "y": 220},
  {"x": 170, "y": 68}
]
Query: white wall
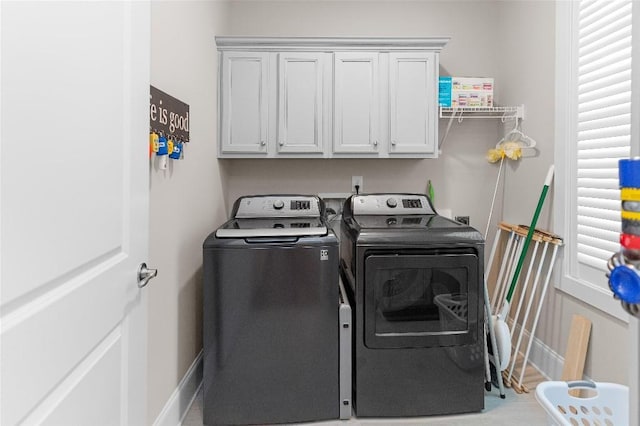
[
  {"x": 527, "y": 75},
  {"x": 514, "y": 42},
  {"x": 186, "y": 201},
  {"x": 462, "y": 178},
  {"x": 511, "y": 41}
]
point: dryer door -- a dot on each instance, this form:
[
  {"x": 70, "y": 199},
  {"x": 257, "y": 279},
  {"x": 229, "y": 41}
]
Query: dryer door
[{"x": 421, "y": 300}]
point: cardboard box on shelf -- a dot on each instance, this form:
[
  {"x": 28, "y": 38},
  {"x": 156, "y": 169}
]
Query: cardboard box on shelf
[{"x": 465, "y": 92}]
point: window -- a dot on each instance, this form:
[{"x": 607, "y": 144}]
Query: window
[{"x": 593, "y": 131}]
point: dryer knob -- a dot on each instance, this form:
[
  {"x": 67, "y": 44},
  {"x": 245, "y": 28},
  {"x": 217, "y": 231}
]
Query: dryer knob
[
  {"x": 278, "y": 204},
  {"x": 392, "y": 203}
]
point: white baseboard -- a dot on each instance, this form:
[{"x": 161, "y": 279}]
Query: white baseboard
[
  {"x": 182, "y": 397},
  {"x": 542, "y": 357},
  {"x": 548, "y": 362}
]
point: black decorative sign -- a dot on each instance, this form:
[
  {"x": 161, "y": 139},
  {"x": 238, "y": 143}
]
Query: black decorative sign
[{"x": 168, "y": 115}]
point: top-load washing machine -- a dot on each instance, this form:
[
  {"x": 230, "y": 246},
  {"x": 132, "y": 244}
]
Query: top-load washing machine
[
  {"x": 271, "y": 314},
  {"x": 415, "y": 280}
]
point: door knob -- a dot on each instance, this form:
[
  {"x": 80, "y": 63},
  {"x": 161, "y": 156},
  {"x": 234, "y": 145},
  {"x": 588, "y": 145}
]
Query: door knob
[{"x": 145, "y": 274}]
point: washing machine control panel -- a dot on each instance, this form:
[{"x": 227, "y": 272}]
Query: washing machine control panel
[
  {"x": 267, "y": 206},
  {"x": 391, "y": 204}
]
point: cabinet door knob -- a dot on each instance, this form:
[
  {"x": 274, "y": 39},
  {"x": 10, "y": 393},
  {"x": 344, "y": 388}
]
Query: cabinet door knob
[
  {"x": 281, "y": 143},
  {"x": 263, "y": 143},
  {"x": 375, "y": 143},
  {"x": 393, "y": 143}
]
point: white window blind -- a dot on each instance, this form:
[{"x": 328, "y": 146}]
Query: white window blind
[
  {"x": 603, "y": 131},
  {"x": 593, "y": 127}
]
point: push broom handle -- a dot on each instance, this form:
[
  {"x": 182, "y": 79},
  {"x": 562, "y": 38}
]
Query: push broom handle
[{"x": 534, "y": 221}]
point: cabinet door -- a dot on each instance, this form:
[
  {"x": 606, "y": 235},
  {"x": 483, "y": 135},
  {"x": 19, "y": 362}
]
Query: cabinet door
[
  {"x": 301, "y": 102},
  {"x": 412, "y": 103},
  {"x": 356, "y": 102},
  {"x": 244, "y": 102}
]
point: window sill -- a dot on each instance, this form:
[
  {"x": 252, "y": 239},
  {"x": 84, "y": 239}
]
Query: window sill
[{"x": 594, "y": 296}]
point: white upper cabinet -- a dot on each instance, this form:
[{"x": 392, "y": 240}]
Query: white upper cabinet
[
  {"x": 356, "y": 107},
  {"x": 412, "y": 109},
  {"x": 307, "y": 97},
  {"x": 302, "y": 80},
  {"x": 244, "y": 103}
]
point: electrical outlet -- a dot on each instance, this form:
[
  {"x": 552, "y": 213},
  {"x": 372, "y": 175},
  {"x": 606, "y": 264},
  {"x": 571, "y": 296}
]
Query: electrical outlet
[
  {"x": 462, "y": 219},
  {"x": 356, "y": 181}
]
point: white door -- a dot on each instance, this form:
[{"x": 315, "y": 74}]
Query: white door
[
  {"x": 356, "y": 102},
  {"x": 303, "y": 79},
  {"x": 244, "y": 102},
  {"x": 74, "y": 201},
  {"x": 412, "y": 103}
]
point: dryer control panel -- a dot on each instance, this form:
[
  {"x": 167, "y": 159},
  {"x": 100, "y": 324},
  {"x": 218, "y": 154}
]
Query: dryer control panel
[{"x": 391, "y": 204}]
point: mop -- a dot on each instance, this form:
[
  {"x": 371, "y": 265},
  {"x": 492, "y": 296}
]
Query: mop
[
  {"x": 509, "y": 146},
  {"x": 487, "y": 307}
]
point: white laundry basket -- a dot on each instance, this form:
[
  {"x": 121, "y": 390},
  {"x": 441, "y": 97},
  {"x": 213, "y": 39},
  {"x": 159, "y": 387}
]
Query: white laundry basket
[
  {"x": 454, "y": 314},
  {"x": 603, "y": 404}
]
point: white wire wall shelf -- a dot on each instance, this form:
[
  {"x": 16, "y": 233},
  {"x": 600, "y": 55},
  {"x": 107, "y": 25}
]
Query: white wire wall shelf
[{"x": 504, "y": 113}]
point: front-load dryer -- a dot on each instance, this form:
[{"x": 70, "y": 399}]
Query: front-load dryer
[{"x": 415, "y": 282}]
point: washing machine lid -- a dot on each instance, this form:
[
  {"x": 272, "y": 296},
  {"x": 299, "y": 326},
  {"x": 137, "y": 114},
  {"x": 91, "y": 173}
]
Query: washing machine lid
[{"x": 272, "y": 227}]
